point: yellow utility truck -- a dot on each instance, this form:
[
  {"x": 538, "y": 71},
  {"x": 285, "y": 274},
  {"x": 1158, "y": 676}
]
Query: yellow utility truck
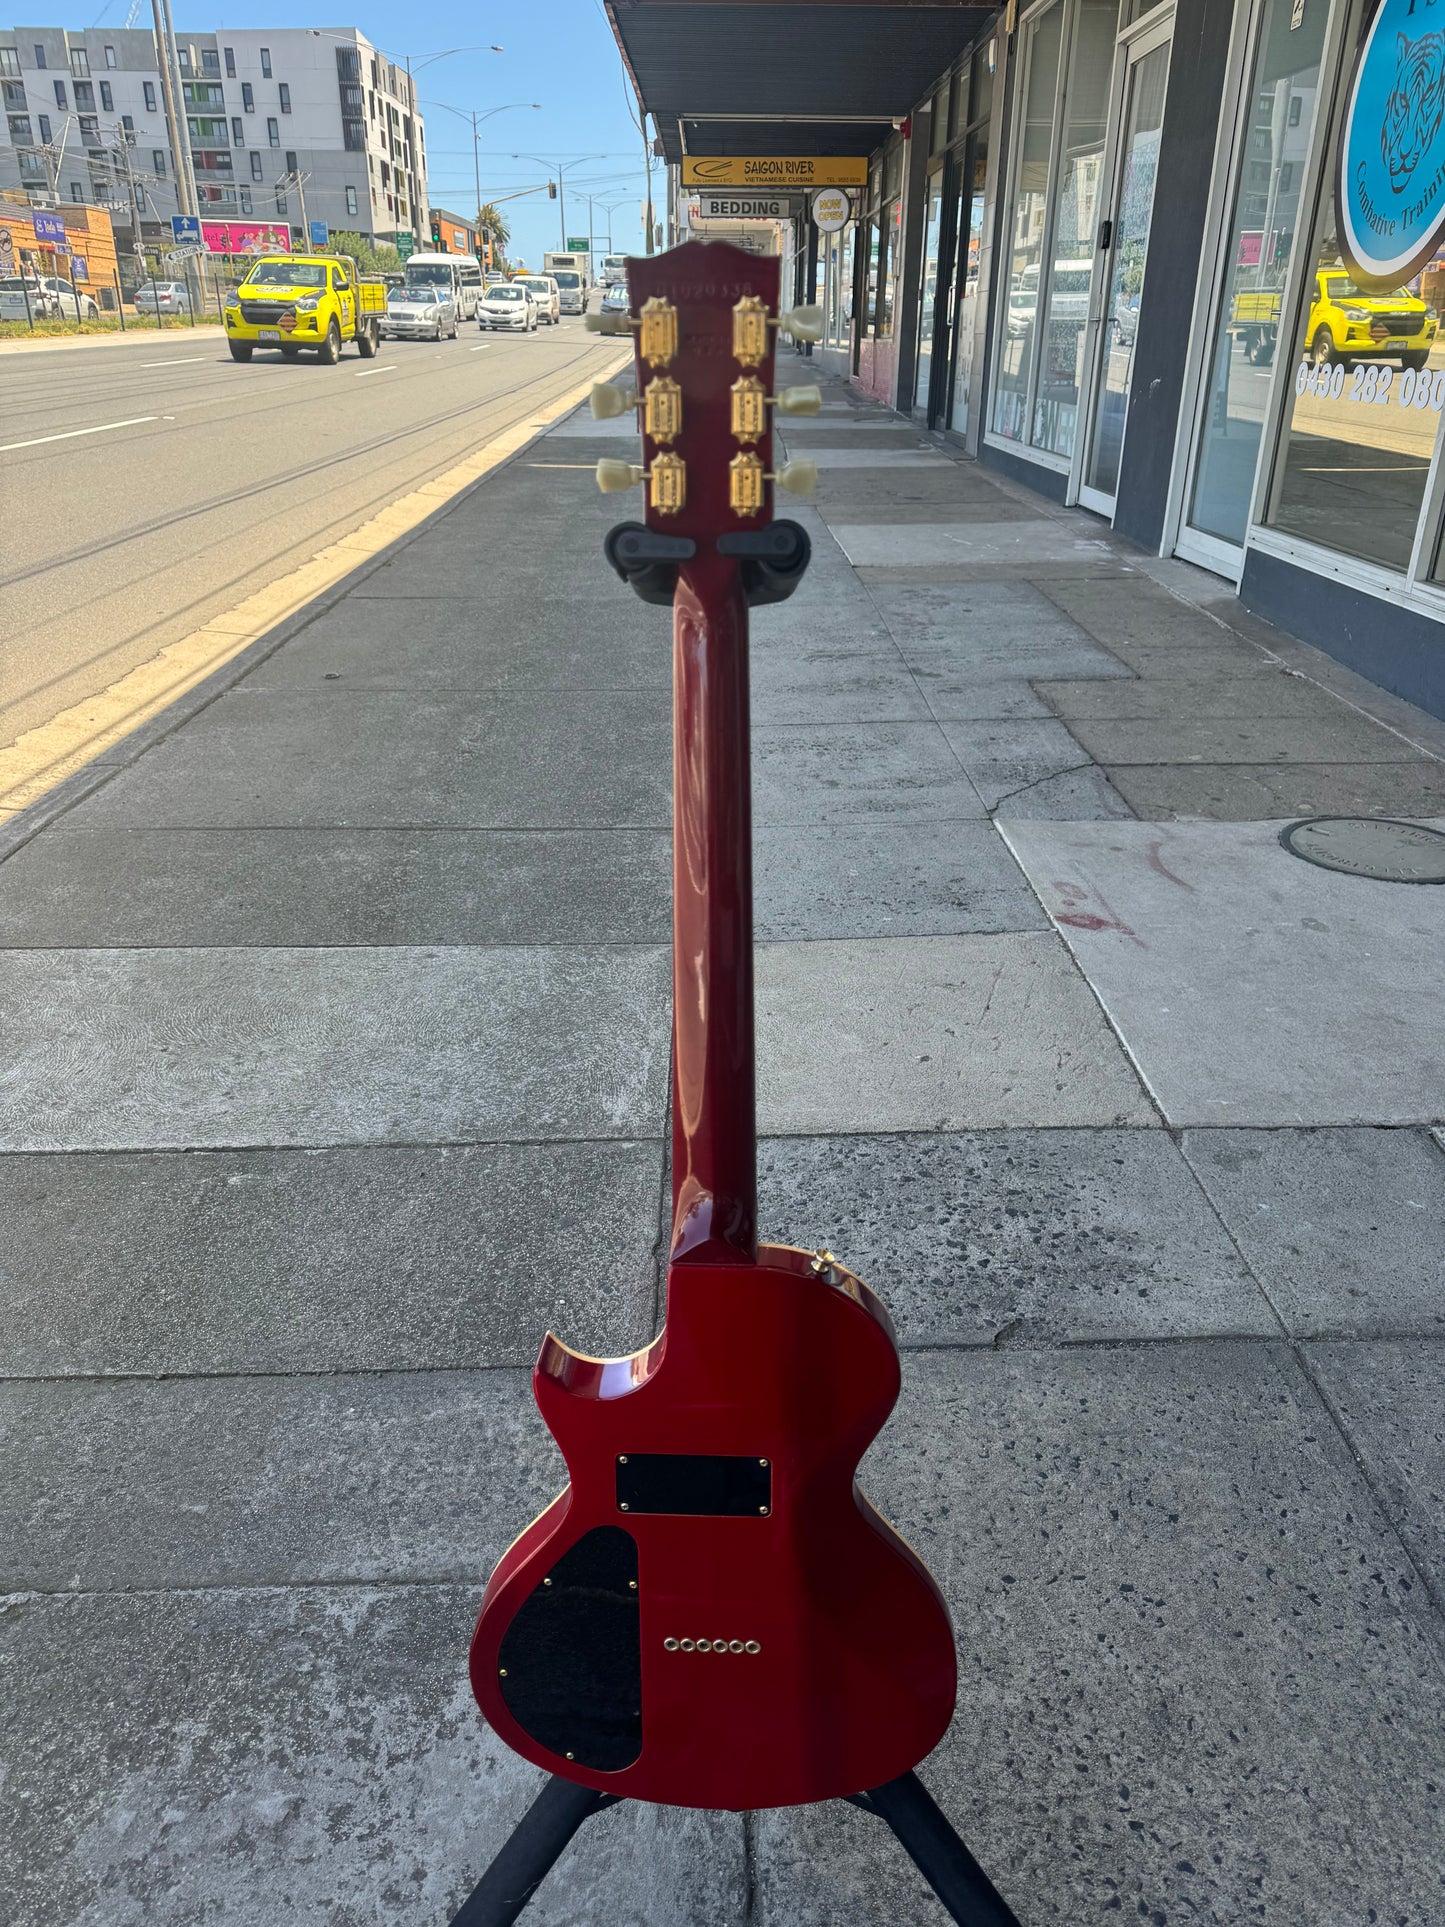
[{"x": 296, "y": 301}]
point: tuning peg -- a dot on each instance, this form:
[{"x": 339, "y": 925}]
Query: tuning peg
[
  {"x": 607, "y": 401},
  {"x": 798, "y": 477},
  {"x": 803, "y": 324},
  {"x": 613, "y": 476},
  {"x": 608, "y": 324},
  {"x": 799, "y": 401}
]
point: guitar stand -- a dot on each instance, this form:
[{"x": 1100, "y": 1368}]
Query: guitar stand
[{"x": 544, "y": 1830}]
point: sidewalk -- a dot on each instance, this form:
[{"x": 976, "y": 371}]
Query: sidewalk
[{"x": 337, "y": 1067}]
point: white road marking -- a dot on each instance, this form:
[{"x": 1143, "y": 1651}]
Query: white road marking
[
  {"x": 70, "y": 434},
  {"x": 479, "y": 347},
  {"x": 385, "y": 369},
  {"x": 188, "y": 362}
]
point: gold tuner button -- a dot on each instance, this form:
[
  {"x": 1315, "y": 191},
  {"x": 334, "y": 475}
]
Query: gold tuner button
[
  {"x": 803, "y": 324},
  {"x": 803, "y": 400},
  {"x": 613, "y": 475},
  {"x": 607, "y": 401},
  {"x": 798, "y": 477}
]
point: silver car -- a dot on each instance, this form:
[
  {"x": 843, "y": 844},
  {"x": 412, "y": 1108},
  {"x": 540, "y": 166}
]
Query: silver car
[
  {"x": 161, "y": 297},
  {"x": 420, "y": 312},
  {"x": 508, "y": 305}
]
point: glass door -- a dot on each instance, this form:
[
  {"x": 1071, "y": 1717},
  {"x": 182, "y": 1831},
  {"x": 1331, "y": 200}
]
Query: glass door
[
  {"x": 970, "y": 236},
  {"x": 1136, "y": 166},
  {"x": 928, "y": 292}
]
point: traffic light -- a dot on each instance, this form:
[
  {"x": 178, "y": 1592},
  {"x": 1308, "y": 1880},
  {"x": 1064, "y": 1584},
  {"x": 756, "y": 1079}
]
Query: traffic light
[
  {"x": 551, "y": 190},
  {"x": 436, "y": 236}
]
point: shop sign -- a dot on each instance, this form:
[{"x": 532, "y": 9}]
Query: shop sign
[
  {"x": 744, "y": 207},
  {"x": 79, "y": 271},
  {"x": 245, "y": 237},
  {"x": 1390, "y": 171},
  {"x": 7, "y": 251},
  {"x": 49, "y": 229},
  {"x": 786, "y": 171},
  {"x": 832, "y": 210}
]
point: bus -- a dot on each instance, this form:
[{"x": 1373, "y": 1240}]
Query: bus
[{"x": 462, "y": 273}]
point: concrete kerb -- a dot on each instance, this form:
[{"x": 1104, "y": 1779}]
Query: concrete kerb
[
  {"x": 238, "y": 645},
  {"x": 133, "y": 335}
]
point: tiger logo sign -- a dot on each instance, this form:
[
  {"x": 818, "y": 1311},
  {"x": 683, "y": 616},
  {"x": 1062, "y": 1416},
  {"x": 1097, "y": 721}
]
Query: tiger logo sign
[
  {"x": 1390, "y": 168},
  {"x": 1415, "y": 107}
]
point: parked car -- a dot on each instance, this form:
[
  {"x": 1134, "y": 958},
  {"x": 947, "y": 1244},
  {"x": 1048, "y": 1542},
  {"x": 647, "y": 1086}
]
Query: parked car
[
  {"x": 421, "y": 310},
  {"x": 162, "y": 297},
  {"x": 24, "y": 298},
  {"x": 545, "y": 292},
  {"x": 509, "y": 305},
  {"x": 571, "y": 290},
  {"x": 70, "y": 299}
]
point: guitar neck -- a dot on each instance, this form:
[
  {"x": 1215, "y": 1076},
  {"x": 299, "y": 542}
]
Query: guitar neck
[{"x": 714, "y": 1145}]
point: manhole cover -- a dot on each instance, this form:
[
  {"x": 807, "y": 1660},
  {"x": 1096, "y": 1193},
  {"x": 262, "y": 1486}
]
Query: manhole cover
[{"x": 1369, "y": 846}]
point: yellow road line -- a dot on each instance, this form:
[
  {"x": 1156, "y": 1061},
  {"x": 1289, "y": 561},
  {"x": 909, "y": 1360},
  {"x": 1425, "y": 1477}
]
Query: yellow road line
[{"x": 46, "y": 755}]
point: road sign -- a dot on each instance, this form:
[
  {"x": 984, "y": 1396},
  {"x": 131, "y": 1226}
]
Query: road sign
[
  {"x": 405, "y": 243},
  {"x": 7, "y": 251},
  {"x": 832, "y": 210},
  {"x": 79, "y": 271},
  {"x": 49, "y": 227},
  {"x": 179, "y": 257},
  {"x": 744, "y": 207},
  {"x": 578, "y": 244},
  {"x": 320, "y": 234},
  {"x": 186, "y": 227},
  {"x": 773, "y": 171}
]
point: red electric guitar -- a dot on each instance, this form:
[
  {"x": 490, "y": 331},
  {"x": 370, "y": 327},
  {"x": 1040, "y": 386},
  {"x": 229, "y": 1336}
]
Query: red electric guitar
[{"x": 712, "y": 1614}]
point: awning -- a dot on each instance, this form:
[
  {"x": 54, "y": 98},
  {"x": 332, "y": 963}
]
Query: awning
[{"x": 810, "y": 77}]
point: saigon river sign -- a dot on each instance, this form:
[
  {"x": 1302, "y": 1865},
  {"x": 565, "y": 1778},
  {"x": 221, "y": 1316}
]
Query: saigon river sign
[
  {"x": 774, "y": 172},
  {"x": 1390, "y": 171}
]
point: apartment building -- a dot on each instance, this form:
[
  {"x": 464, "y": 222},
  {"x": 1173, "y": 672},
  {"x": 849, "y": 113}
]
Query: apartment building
[{"x": 296, "y": 124}]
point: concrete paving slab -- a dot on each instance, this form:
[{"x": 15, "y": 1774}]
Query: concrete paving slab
[
  {"x": 242, "y": 1756},
  {"x": 1196, "y": 1678},
  {"x": 829, "y": 456},
  {"x": 1015, "y": 540},
  {"x": 1274, "y": 692},
  {"x": 798, "y": 437},
  {"x": 1162, "y": 662},
  {"x": 124, "y": 1484},
  {"x": 141, "y": 888},
  {"x": 886, "y": 507},
  {"x": 344, "y": 1260},
  {"x": 1386, "y": 1398},
  {"x": 934, "y": 1034},
  {"x": 1186, "y": 737},
  {"x": 952, "y": 488},
  {"x": 1135, "y": 609},
  {"x": 452, "y": 642},
  {"x": 581, "y": 759},
  {"x": 958, "y": 696},
  {"x": 1341, "y": 1227},
  {"x": 585, "y": 428},
  {"x": 883, "y": 880},
  {"x": 194, "y": 1049},
  {"x": 956, "y": 635},
  {"x": 834, "y": 683},
  {"x": 1076, "y": 795},
  {"x": 1017, "y": 1237},
  {"x": 1003, "y": 758},
  {"x": 1250, "y": 988},
  {"x": 1250, "y": 792},
  {"x": 849, "y": 772}
]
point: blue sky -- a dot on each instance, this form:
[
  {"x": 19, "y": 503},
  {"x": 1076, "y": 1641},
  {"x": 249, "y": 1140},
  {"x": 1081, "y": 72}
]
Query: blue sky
[{"x": 558, "y": 52}]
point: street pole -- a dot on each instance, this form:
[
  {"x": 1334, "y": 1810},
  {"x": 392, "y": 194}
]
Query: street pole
[
  {"x": 477, "y": 166},
  {"x": 562, "y": 201}
]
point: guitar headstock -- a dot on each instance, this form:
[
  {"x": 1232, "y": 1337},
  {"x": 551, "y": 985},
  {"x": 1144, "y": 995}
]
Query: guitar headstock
[{"x": 705, "y": 322}]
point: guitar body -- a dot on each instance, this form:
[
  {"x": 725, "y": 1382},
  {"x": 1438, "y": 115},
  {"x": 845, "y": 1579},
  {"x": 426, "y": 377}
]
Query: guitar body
[
  {"x": 711, "y": 1614},
  {"x": 687, "y": 1625}
]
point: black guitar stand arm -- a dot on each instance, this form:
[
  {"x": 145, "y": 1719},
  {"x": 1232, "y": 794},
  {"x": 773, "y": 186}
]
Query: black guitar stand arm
[{"x": 543, "y": 1833}]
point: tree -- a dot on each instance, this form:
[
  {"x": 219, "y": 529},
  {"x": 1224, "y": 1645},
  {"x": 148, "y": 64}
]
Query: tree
[
  {"x": 371, "y": 257},
  {"x": 492, "y": 221}
]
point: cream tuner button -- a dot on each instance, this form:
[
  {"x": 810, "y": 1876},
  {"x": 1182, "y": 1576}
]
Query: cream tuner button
[
  {"x": 613, "y": 475},
  {"x": 608, "y": 401},
  {"x": 803, "y": 324},
  {"x": 798, "y": 478},
  {"x": 798, "y": 401}
]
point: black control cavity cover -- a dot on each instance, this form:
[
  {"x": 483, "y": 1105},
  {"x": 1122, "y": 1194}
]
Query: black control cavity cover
[{"x": 571, "y": 1659}]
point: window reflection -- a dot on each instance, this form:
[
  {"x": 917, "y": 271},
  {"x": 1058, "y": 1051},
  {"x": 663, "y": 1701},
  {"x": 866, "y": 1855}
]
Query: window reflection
[{"x": 1024, "y": 245}]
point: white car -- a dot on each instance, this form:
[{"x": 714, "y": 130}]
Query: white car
[
  {"x": 24, "y": 298},
  {"x": 508, "y": 305},
  {"x": 162, "y": 297},
  {"x": 545, "y": 292},
  {"x": 421, "y": 312},
  {"x": 68, "y": 299}
]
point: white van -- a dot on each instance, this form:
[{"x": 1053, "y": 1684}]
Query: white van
[
  {"x": 547, "y": 295},
  {"x": 462, "y": 273},
  {"x": 614, "y": 268}
]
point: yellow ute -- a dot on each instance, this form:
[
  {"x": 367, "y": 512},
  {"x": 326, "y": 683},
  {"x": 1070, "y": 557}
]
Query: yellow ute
[{"x": 296, "y": 301}]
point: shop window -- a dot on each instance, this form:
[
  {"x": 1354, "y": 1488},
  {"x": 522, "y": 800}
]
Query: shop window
[
  {"x": 1023, "y": 239},
  {"x": 1366, "y": 385},
  {"x": 970, "y": 242}
]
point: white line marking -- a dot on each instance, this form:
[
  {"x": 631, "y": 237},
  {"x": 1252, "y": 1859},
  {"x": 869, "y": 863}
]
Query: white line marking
[
  {"x": 385, "y": 369},
  {"x": 479, "y": 347},
  {"x": 71, "y": 433},
  {"x": 189, "y": 362}
]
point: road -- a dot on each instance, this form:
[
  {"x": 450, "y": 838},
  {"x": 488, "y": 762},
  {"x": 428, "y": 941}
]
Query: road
[{"x": 150, "y": 484}]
